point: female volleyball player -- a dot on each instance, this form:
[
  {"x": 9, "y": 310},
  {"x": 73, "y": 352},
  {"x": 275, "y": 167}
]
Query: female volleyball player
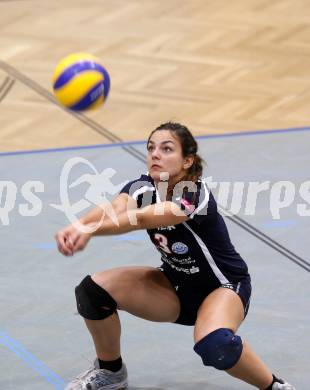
[{"x": 202, "y": 281}]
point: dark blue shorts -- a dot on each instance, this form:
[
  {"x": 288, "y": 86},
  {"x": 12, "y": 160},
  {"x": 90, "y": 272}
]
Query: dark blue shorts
[{"x": 192, "y": 295}]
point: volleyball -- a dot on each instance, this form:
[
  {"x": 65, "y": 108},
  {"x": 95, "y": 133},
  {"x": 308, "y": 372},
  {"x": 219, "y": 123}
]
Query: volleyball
[{"x": 80, "y": 82}]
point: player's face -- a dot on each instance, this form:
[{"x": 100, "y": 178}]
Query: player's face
[{"x": 165, "y": 155}]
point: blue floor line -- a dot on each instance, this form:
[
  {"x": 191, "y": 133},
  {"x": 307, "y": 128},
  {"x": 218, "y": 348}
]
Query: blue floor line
[
  {"x": 31, "y": 361},
  {"x": 141, "y": 142}
]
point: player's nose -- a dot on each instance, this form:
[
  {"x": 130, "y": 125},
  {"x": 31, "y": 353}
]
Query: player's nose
[{"x": 155, "y": 154}]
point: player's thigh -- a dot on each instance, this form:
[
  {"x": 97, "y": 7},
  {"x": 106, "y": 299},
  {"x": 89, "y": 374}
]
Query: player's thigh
[
  {"x": 222, "y": 308},
  {"x": 141, "y": 291}
]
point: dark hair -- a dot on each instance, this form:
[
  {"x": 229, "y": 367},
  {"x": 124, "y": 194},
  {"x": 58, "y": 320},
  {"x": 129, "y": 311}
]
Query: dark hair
[{"x": 189, "y": 147}]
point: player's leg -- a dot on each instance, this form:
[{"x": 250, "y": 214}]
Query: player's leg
[
  {"x": 142, "y": 291},
  {"x": 218, "y": 319}
]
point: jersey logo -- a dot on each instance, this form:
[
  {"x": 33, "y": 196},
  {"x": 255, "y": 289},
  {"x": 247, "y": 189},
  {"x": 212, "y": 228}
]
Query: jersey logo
[
  {"x": 172, "y": 227},
  {"x": 180, "y": 248}
]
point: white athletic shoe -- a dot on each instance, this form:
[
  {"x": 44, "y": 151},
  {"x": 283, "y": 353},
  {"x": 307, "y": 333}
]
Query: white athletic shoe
[
  {"x": 97, "y": 379},
  {"x": 282, "y": 386}
]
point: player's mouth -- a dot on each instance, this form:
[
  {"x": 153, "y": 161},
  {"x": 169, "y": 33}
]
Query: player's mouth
[{"x": 155, "y": 166}]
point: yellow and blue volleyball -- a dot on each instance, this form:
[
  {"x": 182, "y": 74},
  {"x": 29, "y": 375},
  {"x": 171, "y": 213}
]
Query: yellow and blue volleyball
[{"x": 80, "y": 82}]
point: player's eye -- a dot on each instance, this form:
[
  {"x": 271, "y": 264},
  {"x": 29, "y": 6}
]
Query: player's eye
[{"x": 150, "y": 148}]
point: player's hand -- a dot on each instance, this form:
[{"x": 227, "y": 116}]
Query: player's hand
[{"x": 71, "y": 239}]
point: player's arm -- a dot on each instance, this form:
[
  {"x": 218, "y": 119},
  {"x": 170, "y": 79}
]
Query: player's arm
[
  {"x": 119, "y": 205},
  {"x": 76, "y": 236},
  {"x": 149, "y": 217}
]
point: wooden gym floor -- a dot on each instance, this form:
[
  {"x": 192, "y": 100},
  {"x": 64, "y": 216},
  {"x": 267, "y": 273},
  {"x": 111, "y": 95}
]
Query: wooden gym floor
[{"x": 218, "y": 66}]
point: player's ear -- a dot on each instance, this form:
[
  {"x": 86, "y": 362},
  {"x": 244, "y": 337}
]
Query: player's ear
[{"x": 188, "y": 161}]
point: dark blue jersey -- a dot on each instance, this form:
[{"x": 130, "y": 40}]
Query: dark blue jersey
[{"x": 198, "y": 249}]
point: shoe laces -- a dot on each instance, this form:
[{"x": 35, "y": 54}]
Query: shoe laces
[
  {"x": 83, "y": 375},
  {"x": 96, "y": 378}
]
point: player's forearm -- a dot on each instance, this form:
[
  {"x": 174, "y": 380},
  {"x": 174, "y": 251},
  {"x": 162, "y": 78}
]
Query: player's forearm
[
  {"x": 109, "y": 210},
  {"x": 122, "y": 223},
  {"x": 93, "y": 216},
  {"x": 149, "y": 217}
]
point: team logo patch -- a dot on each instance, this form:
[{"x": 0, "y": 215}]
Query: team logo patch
[{"x": 180, "y": 248}]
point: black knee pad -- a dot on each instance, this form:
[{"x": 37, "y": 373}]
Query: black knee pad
[
  {"x": 93, "y": 302},
  {"x": 220, "y": 349}
]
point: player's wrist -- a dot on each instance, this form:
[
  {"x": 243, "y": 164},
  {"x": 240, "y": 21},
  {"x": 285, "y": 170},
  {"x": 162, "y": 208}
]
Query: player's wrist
[{"x": 94, "y": 229}]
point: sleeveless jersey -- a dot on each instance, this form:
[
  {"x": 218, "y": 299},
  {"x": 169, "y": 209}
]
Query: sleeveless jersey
[{"x": 198, "y": 250}]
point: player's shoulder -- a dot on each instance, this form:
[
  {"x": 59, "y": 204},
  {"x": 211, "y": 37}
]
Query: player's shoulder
[
  {"x": 202, "y": 182},
  {"x": 143, "y": 180},
  {"x": 140, "y": 185},
  {"x": 204, "y": 189}
]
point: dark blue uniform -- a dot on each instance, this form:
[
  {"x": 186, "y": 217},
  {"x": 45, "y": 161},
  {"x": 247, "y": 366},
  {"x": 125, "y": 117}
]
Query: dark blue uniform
[{"x": 197, "y": 255}]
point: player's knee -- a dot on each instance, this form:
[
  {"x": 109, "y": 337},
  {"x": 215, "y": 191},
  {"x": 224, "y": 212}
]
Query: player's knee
[
  {"x": 220, "y": 349},
  {"x": 93, "y": 302}
]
